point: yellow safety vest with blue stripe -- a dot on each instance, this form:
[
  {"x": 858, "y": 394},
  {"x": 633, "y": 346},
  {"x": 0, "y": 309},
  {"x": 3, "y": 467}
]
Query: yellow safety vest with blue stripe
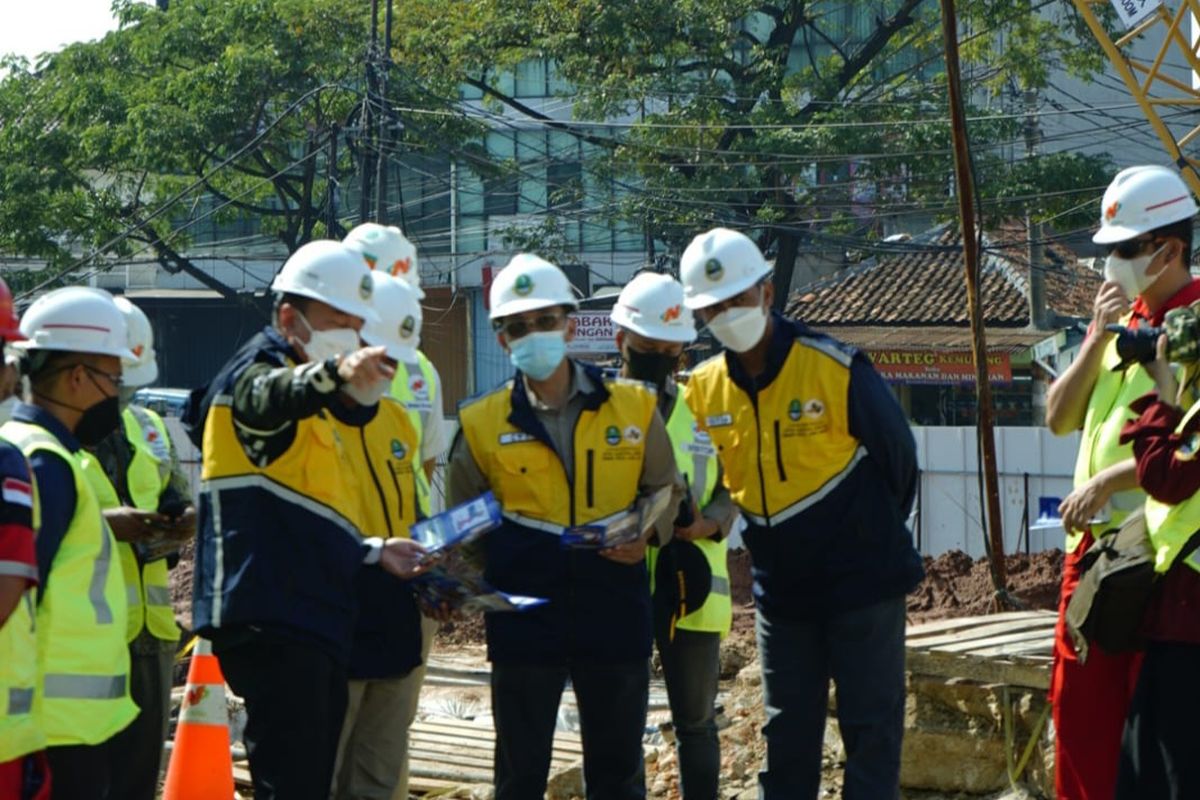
[
  {"x": 1171, "y": 526},
  {"x": 81, "y": 616},
  {"x": 599, "y": 609},
  {"x": 278, "y": 543},
  {"x": 696, "y": 457},
  {"x": 415, "y": 387},
  {"x": 20, "y": 693},
  {"x": 147, "y": 587},
  {"x": 1100, "y": 446}
]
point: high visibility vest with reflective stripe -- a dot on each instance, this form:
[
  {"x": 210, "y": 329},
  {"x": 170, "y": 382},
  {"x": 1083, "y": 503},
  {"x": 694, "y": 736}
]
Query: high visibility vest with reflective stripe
[
  {"x": 1171, "y": 526},
  {"x": 415, "y": 388},
  {"x": 792, "y": 450},
  {"x": 20, "y": 695},
  {"x": 147, "y": 588},
  {"x": 1100, "y": 446},
  {"x": 81, "y": 617},
  {"x": 527, "y": 476},
  {"x": 696, "y": 457}
]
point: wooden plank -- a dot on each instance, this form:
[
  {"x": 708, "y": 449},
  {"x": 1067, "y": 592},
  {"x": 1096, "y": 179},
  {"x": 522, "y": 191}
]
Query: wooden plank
[
  {"x": 977, "y": 646},
  {"x": 565, "y": 749},
  {"x": 478, "y": 757},
  {"x": 981, "y": 632},
  {"x": 958, "y": 623},
  {"x": 1032, "y": 675},
  {"x": 460, "y": 775},
  {"x": 562, "y": 739},
  {"x": 423, "y": 785},
  {"x": 1043, "y": 647}
]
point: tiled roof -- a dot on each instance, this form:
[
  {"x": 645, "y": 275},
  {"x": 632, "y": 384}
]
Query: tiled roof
[{"x": 921, "y": 282}]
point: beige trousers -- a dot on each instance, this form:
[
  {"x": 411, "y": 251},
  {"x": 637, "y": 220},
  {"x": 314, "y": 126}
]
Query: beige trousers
[{"x": 372, "y": 758}]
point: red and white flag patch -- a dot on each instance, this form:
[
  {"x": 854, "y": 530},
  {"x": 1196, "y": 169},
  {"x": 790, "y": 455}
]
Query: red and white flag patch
[{"x": 18, "y": 492}]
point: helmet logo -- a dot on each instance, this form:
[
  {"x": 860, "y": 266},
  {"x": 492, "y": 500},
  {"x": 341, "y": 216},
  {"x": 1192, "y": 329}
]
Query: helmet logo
[
  {"x": 371, "y": 259},
  {"x": 523, "y": 286},
  {"x": 794, "y": 411},
  {"x": 407, "y": 327},
  {"x": 401, "y": 267},
  {"x": 1111, "y": 211},
  {"x": 671, "y": 314},
  {"x": 713, "y": 269},
  {"x": 612, "y": 436},
  {"x": 398, "y": 450},
  {"x": 137, "y": 351},
  {"x": 365, "y": 287}
]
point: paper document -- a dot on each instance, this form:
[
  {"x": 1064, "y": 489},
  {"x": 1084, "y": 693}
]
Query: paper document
[{"x": 627, "y": 527}]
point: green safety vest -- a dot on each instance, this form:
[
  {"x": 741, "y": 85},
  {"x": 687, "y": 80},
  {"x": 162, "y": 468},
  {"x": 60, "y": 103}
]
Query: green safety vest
[
  {"x": 415, "y": 388},
  {"x": 81, "y": 616},
  {"x": 147, "y": 588},
  {"x": 20, "y": 696},
  {"x": 1107, "y": 412},
  {"x": 696, "y": 457},
  {"x": 1171, "y": 526}
]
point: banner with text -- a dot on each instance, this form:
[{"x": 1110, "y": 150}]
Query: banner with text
[
  {"x": 594, "y": 333},
  {"x": 1132, "y": 12},
  {"x": 930, "y": 366}
]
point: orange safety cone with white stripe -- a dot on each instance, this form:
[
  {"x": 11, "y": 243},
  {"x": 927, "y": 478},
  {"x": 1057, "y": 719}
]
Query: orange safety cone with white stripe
[{"x": 201, "y": 766}]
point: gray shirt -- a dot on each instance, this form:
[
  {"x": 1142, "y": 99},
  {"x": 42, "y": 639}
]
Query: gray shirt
[{"x": 466, "y": 481}]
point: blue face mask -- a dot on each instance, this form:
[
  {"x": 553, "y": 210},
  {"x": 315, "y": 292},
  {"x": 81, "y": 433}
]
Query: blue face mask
[{"x": 538, "y": 354}]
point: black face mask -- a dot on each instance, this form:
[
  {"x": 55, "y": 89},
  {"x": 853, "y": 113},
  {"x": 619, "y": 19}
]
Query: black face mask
[
  {"x": 99, "y": 421},
  {"x": 653, "y": 368}
]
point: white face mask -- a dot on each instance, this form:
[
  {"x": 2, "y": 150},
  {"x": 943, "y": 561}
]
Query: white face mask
[
  {"x": 369, "y": 396},
  {"x": 739, "y": 328},
  {"x": 1130, "y": 273},
  {"x": 324, "y": 345}
]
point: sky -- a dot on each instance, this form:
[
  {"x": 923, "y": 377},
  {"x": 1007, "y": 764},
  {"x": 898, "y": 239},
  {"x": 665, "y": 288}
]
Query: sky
[{"x": 40, "y": 26}]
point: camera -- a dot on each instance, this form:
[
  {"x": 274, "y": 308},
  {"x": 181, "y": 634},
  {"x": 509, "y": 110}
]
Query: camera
[{"x": 1139, "y": 345}]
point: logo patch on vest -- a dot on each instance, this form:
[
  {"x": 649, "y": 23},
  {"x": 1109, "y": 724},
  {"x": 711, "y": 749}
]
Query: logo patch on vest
[
  {"x": 418, "y": 386},
  {"x": 720, "y": 420},
  {"x": 516, "y": 437},
  {"x": 699, "y": 434},
  {"x": 700, "y": 449},
  {"x": 814, "y": 409},
  {"x": 398, "y": 451},
  {"x": 633, "y": 434},
  {"x": 794, "y": 411},
  {"x": 612, "y": 435}
]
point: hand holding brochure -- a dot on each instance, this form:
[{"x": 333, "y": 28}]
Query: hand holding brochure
[
  {"x": 457, "y": 527},
  {"x": 625, "y": 528}
]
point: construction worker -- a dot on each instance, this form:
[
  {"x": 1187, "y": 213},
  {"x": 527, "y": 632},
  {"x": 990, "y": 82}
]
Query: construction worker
[
  {"x": 1146, "y": 226},
  {"x": 820, "y": 460},
  {"x": 23, "y": 769},
  {"x": 1158, "y": 751},
  {"x": 279, "y": 519},
  {"x": 692, "y": 571},
  {"x": 417, "y": 385},
  {"x": 135, "y": 474},
  {"x": 561, "y": 447},
  {"x": 75, "y": 341},
  {"x": 387, "y": 659}
]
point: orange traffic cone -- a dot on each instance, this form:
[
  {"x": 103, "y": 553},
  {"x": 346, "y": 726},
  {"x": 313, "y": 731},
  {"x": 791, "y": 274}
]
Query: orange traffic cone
[{"x": 201, "y": 767}]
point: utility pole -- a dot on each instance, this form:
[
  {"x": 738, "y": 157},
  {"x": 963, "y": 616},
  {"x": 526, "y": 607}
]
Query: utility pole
[
  {"x": 331, "y": 214},
  {"x": 365, "y": 127},
  {"x": 381, "y": 139},
  {"x": 966, "y": 212}
]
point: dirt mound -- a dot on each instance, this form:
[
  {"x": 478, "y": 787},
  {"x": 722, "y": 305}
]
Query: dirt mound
[{"x": 957, "y": 586}]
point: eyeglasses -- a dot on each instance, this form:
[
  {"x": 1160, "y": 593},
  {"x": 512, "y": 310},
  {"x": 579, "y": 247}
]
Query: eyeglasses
[
  {"x": 1130, "y": 248},
  {"x": 747, "y": 297},
  {"x": 518, "y": 328},
  {"x": 115, "y": 380}
]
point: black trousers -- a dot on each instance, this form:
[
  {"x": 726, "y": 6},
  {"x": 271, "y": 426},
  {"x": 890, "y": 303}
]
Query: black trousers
[
  {"x": 1159, "y": 754},
  {"x": 137, "y": 751},
  {"x": 295, "y": 700},
  {"x": 80, "y": 772}
]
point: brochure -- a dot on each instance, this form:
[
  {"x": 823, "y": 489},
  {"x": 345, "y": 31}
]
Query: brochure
[
  {"x": 458, "y": 526},
  {"x": 625, "y": 528}
]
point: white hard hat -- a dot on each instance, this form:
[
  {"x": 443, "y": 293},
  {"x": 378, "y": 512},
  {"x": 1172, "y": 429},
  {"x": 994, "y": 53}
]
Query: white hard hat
[
  {"x": 528, "y": 283},
  {"x": 143, "y": 369},
  {"x": 77, "y": 319},
  {"x": 385, "y": 247},
  {"x": 399, "y": 325},
  {"x": 329, "y": 271},
  {"x": 1141, "y": 199},
  {"x": 651, "y": 305},
  {"x": 718, "y": 265}
]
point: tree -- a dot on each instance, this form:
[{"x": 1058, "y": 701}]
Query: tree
[{"x": 741, "y": 112}]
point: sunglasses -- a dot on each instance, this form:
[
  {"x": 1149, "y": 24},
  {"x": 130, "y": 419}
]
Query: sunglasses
[
  {"x": 517, "y": 328},
  {"x": 1131, "y": 248}
]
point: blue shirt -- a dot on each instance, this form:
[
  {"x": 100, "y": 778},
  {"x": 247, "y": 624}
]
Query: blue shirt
[{"x": 55, "y": 481}]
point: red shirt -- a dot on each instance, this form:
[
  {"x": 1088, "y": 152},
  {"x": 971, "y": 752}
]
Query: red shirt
[{"x": 1141, "y": 312}]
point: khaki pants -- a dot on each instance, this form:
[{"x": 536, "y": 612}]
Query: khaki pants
[{"x": 372, "y": 759}]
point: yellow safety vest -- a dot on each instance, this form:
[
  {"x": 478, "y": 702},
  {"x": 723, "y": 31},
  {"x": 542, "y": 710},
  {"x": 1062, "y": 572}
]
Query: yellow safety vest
[
  {"x": 147, "y": 589},
  {"x": 788, "y": 453},
  {"x": 415, "y": 388},
  {"x": 20, "y": 695},
  {"x": 696, "y": 456},
  {"x": 81, "y": 617},
  {"x": 527, "y": 476},
  {"x": 384, "y": 455},
  {"x": 1100, "y": 446},
  {"x": 1171, "y": 526}
]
